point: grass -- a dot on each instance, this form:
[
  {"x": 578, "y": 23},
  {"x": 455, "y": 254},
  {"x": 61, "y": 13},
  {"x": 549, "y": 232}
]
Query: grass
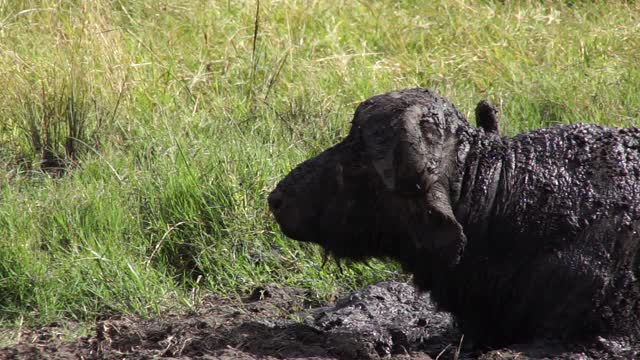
[{"x": 172, "y": 121}]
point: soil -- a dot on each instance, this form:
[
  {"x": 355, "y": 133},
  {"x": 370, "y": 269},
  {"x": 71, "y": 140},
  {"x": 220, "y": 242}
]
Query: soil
[{"x": 387, "y": 320}]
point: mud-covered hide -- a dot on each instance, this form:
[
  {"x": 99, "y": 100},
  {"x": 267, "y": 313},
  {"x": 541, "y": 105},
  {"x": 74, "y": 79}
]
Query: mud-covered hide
[
  {"x": 521, "y": 239},
  {"x": 558, "y": 250}
]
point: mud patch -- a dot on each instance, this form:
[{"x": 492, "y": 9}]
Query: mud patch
[{"x": 387, "y": 320}]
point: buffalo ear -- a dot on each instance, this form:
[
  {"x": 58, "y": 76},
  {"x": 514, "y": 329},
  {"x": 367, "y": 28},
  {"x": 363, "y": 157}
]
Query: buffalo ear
[
  {"x": 487, "y": 117},
  {"x": 420, "y": 150},
  {"x": 444, "y": 236},
  {"x": 407, "y": 150}
]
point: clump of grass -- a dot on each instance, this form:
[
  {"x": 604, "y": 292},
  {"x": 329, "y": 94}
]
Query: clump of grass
[
  {"x": 63, "y": 83},
  {"x": 59, "y": 122}
]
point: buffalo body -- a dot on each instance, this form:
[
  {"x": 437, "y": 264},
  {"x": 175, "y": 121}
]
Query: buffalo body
[{"x": 519, "y": 238}]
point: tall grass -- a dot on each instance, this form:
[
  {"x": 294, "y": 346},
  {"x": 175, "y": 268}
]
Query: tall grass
[{"x": 183, "y": 115}]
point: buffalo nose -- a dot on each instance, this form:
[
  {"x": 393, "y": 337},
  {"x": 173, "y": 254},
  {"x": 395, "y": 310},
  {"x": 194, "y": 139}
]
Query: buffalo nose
[{"x": 275, "y": 200}]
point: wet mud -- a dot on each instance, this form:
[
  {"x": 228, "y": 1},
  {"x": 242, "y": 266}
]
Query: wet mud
[{"x": 390, "y": 320}]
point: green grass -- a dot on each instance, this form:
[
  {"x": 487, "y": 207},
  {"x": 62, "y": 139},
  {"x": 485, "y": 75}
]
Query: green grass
[{"x": 182, "y": 115}]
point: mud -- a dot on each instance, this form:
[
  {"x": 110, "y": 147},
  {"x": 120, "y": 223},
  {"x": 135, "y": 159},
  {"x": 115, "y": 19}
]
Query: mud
[{"x": 388, "y": 320}]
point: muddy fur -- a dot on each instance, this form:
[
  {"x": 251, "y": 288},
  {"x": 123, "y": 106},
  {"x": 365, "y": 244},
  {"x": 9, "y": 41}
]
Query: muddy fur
[{"x": 521, "y": 238}]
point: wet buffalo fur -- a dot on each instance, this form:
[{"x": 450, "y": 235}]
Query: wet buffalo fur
[{"x": 521, "y": 238}]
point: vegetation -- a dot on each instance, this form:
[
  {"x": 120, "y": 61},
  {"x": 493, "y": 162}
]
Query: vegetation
[{"x": 139, "y": 139}]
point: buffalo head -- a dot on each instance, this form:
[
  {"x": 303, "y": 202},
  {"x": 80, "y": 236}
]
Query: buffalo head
[{"x": 386, "y": 190}]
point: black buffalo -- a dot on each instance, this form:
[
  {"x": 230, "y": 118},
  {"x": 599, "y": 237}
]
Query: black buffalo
[{"x": 520, "y": 238}]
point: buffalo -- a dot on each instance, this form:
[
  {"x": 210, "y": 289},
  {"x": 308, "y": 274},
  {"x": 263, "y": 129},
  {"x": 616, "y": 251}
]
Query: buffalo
[{"x": 521, "y": 238}]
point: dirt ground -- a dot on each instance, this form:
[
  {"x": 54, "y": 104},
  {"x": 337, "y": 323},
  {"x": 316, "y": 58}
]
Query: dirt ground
[{"x": 388, "y": 320}]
